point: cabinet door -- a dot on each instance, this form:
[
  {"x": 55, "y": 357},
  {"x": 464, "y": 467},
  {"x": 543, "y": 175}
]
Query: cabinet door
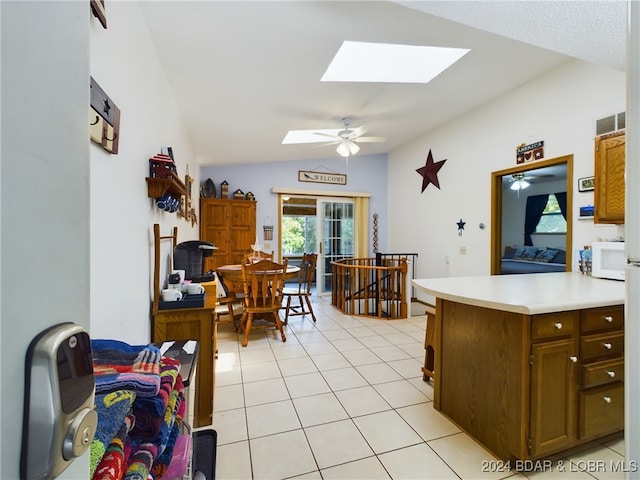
[
  {"x": 242, "y": 229},
  {"x": 553, "y": 392},
  {"x": 192, "y": 324},
  {"x": 609, "y": 178},
  {"x": 214, "y": 228}
]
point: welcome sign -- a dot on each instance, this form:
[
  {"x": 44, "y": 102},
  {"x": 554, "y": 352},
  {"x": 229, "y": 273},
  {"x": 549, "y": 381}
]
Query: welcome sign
[{"x": 321, "y": 177}]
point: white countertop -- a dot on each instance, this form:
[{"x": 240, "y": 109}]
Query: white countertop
[{"x": 529, "y": 293}]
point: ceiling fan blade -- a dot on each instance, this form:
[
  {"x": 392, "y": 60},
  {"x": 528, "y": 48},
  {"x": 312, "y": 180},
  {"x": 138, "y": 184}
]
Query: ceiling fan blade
[
  {"x": 322, "y": 134},
  {"x": 327, "y": 144},
  {"x": 359, "y": 132},
  {"x": 371, "y": 139}
]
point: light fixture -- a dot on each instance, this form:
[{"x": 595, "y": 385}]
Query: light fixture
[
  {"x": 519, "y": 183},
  {"x": 347, "y": 148}
]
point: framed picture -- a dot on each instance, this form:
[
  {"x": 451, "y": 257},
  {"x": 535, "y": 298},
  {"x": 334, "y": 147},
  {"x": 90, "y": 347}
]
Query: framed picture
[{"x": 586, "y": 184}]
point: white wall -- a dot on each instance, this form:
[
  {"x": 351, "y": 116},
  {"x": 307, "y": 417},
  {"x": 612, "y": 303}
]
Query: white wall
[
  {"x": 125, "y": 64},
  {"x": 365, "y": 173},
  {"x": 560, "y": 108},
  {"x": 44, "y": 251}
]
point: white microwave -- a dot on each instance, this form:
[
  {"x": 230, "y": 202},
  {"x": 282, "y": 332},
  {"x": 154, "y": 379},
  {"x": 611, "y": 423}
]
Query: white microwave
[{"x": 608, "y": 260}]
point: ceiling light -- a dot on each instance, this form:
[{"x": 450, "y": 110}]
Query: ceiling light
[
  {"x": 390, "y": 63},
  {"x": 347, "y": 148},
  {"x": 519, "y": 182}
]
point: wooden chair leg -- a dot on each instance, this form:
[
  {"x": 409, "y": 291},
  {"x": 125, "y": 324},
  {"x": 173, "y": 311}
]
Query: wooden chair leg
[
  {"x": 286, "y": 315},
  {"x": 247, "y": 329},
  {"x": 278, "y": 322},
  {"x": 313, "y": 315}
]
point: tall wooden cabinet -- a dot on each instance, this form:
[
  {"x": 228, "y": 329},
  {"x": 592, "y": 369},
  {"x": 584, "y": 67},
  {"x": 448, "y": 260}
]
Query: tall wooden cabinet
[
  {"x": 609, "y": 178},
  {"x": 229, "y": 224}
]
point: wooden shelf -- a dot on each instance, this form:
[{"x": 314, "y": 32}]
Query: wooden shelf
[{"x": 159, "y": 186}]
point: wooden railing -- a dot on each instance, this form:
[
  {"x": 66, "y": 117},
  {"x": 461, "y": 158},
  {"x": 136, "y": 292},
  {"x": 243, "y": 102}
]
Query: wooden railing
[{"x": 360, "y": 287}]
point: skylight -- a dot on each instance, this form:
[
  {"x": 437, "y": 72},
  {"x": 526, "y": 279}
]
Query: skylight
[
  {"x": 310, "y": 136},
  {"x": 389, "y": 63}
]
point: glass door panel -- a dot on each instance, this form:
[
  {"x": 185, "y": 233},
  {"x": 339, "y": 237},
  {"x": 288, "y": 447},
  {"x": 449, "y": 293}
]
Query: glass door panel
[{"x": 336, "y": 237}]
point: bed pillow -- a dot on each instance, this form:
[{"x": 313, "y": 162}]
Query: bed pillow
[
  {"x": 561, "y": 257},
  {"x": 527, "y": 253},
  {"x": 509, "y": 252},
  {"x": 546, "y": 256}
]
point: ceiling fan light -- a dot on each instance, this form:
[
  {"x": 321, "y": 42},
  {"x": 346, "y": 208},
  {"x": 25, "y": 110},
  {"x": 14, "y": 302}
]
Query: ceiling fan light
[
  {"x": 353, "y": 148},
  {"x": 343, "y": 149},
  {"x": 519, "y": 185}
]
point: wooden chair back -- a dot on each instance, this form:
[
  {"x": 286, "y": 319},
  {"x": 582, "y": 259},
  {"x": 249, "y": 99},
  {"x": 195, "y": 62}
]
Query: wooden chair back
[
  {"x": 263, "y": 283},
  {"x": 307, "y": 272},
  {"x": 252, "y": 257}
]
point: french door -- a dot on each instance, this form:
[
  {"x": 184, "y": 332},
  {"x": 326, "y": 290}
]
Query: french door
[
  {"x": 336, "y": 235},
  {"x": 322, "y": 225}
]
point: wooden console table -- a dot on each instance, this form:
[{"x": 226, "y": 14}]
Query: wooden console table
[{"x": 187, "y": 324}]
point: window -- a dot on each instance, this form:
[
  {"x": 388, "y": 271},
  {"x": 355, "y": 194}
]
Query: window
[{"x": 552, "y": 220}]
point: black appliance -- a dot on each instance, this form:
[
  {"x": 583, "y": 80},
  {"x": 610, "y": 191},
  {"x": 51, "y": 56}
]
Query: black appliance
[{"x": 189, "y": 256}]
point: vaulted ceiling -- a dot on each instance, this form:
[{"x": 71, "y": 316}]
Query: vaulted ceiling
[{"x": 244, "y": 73}]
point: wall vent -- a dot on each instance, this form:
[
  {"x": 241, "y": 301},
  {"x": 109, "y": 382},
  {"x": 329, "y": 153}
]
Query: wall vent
[{"x": 610, "y": 124}]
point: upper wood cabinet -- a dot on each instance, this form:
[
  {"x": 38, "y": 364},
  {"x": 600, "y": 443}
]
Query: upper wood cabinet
[
  {"x": 609, "y": 178},
  {"x": 231, "y": 226}
]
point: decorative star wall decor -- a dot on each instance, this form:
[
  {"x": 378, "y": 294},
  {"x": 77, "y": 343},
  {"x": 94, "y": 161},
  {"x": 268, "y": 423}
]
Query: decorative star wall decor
[
  {"x": 430, "y": 171},
  {"x": 461, "y": 225}
]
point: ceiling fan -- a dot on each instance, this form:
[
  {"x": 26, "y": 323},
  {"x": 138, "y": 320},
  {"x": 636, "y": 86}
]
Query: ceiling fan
[{"x": 347, "y": 139}]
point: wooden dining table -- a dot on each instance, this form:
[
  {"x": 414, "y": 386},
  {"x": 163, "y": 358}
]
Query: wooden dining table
[{"x": 231, "y": 276}]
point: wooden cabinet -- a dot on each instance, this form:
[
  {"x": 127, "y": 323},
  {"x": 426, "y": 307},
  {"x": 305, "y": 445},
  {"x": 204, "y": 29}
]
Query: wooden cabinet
[
  {"x": 187, "y": 324},
  {"x": 530, "y": 386},
  {"x": 601, "y": 389},
  {"x": 553, "y": 378},
  {"x": 609, "y": 178},
  {"x": 231, "y": 226}
]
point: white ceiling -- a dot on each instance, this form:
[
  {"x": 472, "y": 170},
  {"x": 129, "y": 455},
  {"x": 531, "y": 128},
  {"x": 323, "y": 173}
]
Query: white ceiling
[{"x": 244, "y": 73}]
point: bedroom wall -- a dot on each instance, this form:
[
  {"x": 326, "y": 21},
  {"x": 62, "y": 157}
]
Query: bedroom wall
[
  {"x": 559, "y": 107},
  {"x": 126, "y": 66},
  {"x": 513, "y": 212}
]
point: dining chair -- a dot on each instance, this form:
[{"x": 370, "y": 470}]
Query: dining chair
[
  {"x": 253, "y": 256},
  {"x": 228, "y": 304},
  {"x": 263, "y": 283},
  {"x": 302, "y": 290}
]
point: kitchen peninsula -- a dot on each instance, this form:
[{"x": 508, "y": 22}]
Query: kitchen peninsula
[{"x": 529, "y": 365}]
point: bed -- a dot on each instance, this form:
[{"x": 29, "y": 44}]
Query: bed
[{"x": 528, "y": 259}]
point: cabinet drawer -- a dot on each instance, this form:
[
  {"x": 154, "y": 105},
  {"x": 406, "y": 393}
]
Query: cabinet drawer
[
  {"x": 601, "y": 373},
  {"x": 602, "y": 319},
  {"x": 606, "y": 345},
  {"x": 601, "y": 411},
  {"x": 552, "y": 325}
]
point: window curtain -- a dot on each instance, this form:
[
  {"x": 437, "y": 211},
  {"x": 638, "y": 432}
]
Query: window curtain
[
  {"x": 562, "y": 202},
  {"x": 535, "y": 206},
  {"x": 361, "y": 227}
]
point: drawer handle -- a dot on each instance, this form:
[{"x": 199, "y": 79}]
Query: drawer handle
[
  {"x": 573, "y": 359},
  {"x": 611, "y": 373},
  {"x": 608, "y": 346},
  {"x": 559, "y": 326},
  {"x": 608, "y": 318},
  {"x": 607, "y": 399}
]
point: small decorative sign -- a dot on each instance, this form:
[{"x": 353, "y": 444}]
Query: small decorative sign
[
  {"x": 528, "y": 153},
  {"x": 321, "y": 177}
]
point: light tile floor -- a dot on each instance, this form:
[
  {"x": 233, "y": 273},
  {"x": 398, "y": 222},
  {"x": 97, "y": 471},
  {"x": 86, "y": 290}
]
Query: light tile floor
[{"x": 344, "y": 399}]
